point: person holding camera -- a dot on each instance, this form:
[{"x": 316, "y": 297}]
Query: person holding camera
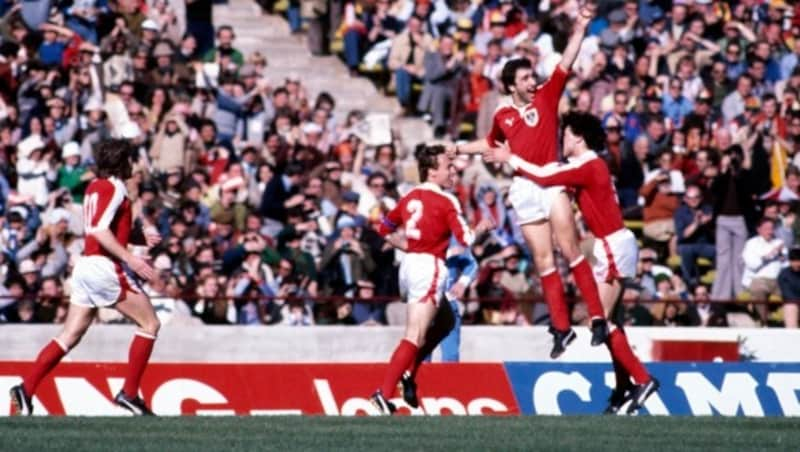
[
  {"x": 734, "y": 212},
  {"x": 345, "y": 260}
]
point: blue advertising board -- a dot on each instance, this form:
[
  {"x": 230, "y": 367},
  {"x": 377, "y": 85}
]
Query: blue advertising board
[{"x": 688, "y": 389}]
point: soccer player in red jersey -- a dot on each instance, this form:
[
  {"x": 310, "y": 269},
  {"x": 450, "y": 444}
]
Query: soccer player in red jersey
[
  {"x": 615, "y": 248},
  {"x": 530, "y": 127},
  {"x": 103, "y": 277},
  {"x": 429, "y": 216}
]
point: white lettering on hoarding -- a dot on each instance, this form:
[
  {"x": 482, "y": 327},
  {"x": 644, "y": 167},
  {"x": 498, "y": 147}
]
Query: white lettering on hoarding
[
  {"x": 323, "y": 390},
  {"x": 477, "y": 406},
  {"x": 169, "y": 397},
  {"x": 786, "y": 385},
  {"x": 550, "y": 384},
  {"x": 738, "y": 391},
  {"x": 432, "y": 406},
  {"x": 79, "y": 397},
  {"x": 443, "y": 405}
]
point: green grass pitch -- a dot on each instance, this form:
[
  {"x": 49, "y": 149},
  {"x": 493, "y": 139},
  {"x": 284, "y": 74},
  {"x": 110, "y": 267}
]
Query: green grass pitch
[{"x": 586, "y": 434}]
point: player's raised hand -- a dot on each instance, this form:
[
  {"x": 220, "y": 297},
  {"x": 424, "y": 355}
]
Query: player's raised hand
[{"x": 142, "y": 268}]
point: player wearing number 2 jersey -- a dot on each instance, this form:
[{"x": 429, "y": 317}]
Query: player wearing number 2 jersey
[
  {"x": 103, "y": 277},
  {"x": 530, "y": 127},
  {"x": 428, "y": 216}
]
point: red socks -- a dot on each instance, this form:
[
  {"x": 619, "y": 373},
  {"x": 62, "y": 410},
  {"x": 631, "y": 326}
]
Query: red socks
[
  {"x": 621, "y": 352},
  {"x": 553, "y": 291},
  {"x": 584, "y": 279},
  {"x": 138, "y": 356},
  {"x": 402, "y": 359},
  {"x": 48, "y": 358}
]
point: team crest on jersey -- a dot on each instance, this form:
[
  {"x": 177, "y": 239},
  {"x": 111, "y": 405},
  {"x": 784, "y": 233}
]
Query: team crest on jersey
[{"x": 531, "y": 117}]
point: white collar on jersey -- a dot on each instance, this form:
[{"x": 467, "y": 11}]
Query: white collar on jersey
[{"x": 431, "y": 186}]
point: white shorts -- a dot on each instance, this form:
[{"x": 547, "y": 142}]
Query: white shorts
[
  {"x": 422, "y": 278},
  {"x": 99, "y": 282},
  {"x": 615, "y": 256},
  {"x": 531, "y": 201}
]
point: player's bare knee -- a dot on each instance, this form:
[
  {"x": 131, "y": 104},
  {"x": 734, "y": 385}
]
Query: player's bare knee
[
  {"x": 543, "y": 260},
  {"x": 68, "y": 340},
  {"x": 568, "y": 245},
  {"x": 150, "y": 326}
]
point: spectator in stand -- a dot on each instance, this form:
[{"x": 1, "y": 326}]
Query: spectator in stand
[
  {"x": 734, "y": 214},
  {"x": 406, "y": 59},
  {"x": 675, "y": 105},
  {"x": 789, "y": 284},
  {"x": 346, "y": 260},
  {"x": 661, "y": 200},
  {"x": 367, "y": 310},
  {"x": 694, "y": 231},
  {"x": 225, "y": 38},
  {"x": 734, "y": 104},
  {"x": 764, "y": 255},
  {"x": 709, "y": 313}
]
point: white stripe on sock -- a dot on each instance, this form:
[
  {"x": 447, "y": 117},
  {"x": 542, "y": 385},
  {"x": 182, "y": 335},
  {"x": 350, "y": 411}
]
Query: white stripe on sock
[
  {"x": 61, "y": 344},
  {"x": 145, "y": 335}
]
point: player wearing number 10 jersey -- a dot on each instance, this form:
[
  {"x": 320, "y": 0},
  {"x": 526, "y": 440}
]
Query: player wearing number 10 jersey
[
  {"x": 103, "y": 277},
  {"x": 428, "y": 216}
]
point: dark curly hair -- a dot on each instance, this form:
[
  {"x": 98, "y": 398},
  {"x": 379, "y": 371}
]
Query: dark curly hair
[
  {"x": 113, "y": 158},
  {"x": 586, "y": 126},
  {"x": 509, "y": 73}
]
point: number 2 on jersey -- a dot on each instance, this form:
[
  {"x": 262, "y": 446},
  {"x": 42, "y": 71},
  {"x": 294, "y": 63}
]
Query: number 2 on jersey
[
  {"x": 89, "y": 208},
  {"x": 414, "y": 207}
]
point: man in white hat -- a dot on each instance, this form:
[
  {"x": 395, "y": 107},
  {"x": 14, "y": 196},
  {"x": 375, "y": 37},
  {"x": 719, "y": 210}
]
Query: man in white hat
[
  {"x": 30, "y": 273},
  {"x": 49, "y": 237},
  {"x": 34, "y": 169},
  {"x": 149, "y": 35}
]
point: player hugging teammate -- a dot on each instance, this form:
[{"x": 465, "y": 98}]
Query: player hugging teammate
[{"x": 528, "y": 131}]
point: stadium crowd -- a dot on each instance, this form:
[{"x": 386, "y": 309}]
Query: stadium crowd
[{"x": 268, "y": 202}]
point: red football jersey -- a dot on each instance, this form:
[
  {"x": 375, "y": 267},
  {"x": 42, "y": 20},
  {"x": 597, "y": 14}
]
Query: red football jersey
[
  {"x": 532, "y": 130},
  {"x": 589, "y": 175},
  {"x": 430, "y": 216},
  {"x": 106, "y": 206}
]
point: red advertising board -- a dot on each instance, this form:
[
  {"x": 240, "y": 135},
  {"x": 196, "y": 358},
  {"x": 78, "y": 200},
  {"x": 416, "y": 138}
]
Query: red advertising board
[{"x": 263, "y": 389}]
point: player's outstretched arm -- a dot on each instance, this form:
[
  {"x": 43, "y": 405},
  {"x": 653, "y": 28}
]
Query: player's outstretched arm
[
  {"x": 473, "y": 147},
  {"x": 585, "y": 15},
  {"x": 569, "y": 174},
  {"x": 110, "y": 244}
]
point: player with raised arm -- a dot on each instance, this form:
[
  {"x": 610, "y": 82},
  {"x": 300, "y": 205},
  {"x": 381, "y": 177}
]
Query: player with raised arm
[
  {"x": 429, "y": 216},
  {"x": 615, "y": 248},
  {"x": 102, "y": 277},
  {"x": 530, "y": 127}
]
